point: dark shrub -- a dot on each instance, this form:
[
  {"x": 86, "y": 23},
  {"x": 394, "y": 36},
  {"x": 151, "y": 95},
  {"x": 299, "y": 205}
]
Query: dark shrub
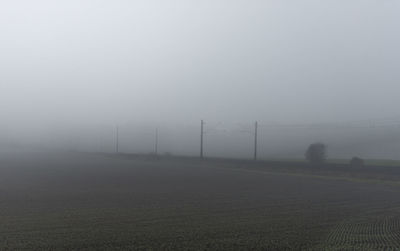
[
  {"x": 356, "y": 162},
  {"x": 316, "y": 153},
  {"x": 168, "y": 154}
]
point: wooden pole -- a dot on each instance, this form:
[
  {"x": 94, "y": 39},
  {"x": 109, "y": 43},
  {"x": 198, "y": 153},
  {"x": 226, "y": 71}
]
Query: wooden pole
[
  {"x": 201, "y": 138},
  {"x": 117, "y": 141},
  {"x": 156, "y": 143},
  {"x": 255, "y": 140}
]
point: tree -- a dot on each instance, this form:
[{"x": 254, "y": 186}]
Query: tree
[
  {"x": 356, "y": 162},
  {"x": 316, "y": 153}
]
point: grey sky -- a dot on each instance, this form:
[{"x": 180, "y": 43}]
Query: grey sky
[{"x": 162, "y": 61}]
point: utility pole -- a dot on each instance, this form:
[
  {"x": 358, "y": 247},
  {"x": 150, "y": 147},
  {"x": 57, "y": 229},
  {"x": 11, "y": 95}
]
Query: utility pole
[
  {"x": 201, "y": 138},
  {"x": 117, "y": 141},
  {"x": 156, "y": 143},
  {"x": 255, "y": 140}
]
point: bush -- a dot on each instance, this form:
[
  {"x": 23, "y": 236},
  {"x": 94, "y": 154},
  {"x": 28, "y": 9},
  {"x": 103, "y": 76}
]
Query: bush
[
  {"x": 356, "y": 162},
  {"x": 168, "y": 154},
  {"x": 316, "y": 153}
]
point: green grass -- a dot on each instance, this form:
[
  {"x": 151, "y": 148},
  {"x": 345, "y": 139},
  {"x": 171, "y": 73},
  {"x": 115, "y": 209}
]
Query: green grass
[
  {"x": 372, "y": 162},
  {"x": 383, "y": 162}
]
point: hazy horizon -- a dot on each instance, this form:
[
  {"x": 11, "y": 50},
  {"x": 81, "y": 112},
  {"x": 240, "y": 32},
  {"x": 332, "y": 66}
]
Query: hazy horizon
[{"x": 95, "y": 64}]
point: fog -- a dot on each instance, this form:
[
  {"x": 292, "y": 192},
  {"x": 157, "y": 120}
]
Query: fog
[{"x": 70, "y": 71}]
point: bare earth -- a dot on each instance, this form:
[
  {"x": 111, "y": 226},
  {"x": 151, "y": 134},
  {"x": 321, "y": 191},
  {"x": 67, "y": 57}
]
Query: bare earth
[{"x": 95, "y": 202}]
